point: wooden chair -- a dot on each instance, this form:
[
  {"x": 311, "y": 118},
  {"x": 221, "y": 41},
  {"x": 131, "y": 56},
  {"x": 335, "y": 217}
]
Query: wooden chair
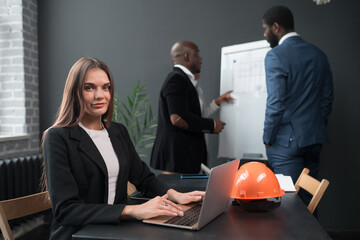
[
  {"x": 20, "y": 207},
  {"x": 313, "y": 186},
  {"x": 130, "y": 188}
]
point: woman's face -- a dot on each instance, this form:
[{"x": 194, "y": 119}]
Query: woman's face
[{"x": 96, "y": 93}]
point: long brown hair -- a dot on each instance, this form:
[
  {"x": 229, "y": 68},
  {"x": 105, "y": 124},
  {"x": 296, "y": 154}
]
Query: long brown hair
[{"x": 72, "y": 108}]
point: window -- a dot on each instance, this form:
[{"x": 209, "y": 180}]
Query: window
[{"x": 19, "y": 111}]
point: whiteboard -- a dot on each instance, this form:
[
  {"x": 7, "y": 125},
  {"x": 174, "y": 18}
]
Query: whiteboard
[{"x": 243, "y": 71}]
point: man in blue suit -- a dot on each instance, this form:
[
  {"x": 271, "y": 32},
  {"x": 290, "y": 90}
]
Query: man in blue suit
[{"x": 300, "y": 95}]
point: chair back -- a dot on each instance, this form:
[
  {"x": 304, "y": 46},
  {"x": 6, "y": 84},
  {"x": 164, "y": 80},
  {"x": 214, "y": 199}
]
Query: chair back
[
  {"x": 20, "y": 207},
  {"x": 313, "y": 186},
  {"x": 131, "y": 188}
]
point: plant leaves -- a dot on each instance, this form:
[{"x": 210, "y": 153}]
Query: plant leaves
[{"x": 132, "y": 113}]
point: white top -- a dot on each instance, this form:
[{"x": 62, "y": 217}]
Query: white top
[
  {"x": 290, "y": 34},
  {"x": 205, "y": 112},
  {"x": 102, "y": 141}
]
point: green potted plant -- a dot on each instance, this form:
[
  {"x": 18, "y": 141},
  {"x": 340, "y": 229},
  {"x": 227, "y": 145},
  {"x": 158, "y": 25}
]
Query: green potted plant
[{"x": 136, "y": 114}]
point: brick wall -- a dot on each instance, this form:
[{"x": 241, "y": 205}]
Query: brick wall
[{"x": 19, "y": 98}]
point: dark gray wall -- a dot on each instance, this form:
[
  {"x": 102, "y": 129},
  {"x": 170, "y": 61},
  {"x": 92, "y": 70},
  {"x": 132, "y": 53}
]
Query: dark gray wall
[{"x": 134, "y": 37}]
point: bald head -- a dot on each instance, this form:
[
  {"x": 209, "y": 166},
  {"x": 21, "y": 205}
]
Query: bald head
[
  {"x": 180, "y": 48},
  {"x": 186, "y": 53}
]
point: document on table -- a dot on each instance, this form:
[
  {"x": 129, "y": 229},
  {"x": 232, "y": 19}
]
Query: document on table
[{"x": 286, "y": 183}]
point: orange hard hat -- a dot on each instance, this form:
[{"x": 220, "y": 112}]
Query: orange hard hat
[{"x": 254, "y": 180}]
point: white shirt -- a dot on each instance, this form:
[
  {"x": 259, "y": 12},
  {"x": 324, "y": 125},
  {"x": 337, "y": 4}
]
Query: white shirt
[
  {"x": 102, "y": 141},
  {"x": 290, "y": 34},
  {"x": 205, "y": 112}
]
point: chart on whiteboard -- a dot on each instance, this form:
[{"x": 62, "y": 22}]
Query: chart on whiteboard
[
  {"x": 248, "y": 71},
  {"x": 243, "y": 71}
]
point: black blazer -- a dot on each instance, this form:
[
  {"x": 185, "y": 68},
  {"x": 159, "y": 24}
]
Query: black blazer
[
  {"x": 176, "y": 149},
  {"x": 77, "y": 178}
]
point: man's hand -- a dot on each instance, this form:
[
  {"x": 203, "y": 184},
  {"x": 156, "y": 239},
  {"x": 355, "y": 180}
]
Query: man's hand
[
  {"x": 224, "y": 98},
  {"x": 219, "y": 126}
]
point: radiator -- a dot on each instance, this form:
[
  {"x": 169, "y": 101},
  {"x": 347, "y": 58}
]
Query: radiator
[{"x": 19, "y": 177}]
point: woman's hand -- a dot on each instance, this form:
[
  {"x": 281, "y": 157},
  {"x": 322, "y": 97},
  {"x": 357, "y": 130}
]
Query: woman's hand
[
  {"x": 185, "y": 198},
  {"x": 152, "y": 208}
]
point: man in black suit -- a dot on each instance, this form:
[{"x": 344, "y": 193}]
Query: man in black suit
[{"x": 180, "y": 144}]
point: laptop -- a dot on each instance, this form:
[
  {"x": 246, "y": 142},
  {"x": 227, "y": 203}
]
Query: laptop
[{"x": 216, "y": 201}]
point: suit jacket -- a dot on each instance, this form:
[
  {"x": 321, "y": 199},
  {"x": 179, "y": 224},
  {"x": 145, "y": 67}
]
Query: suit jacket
[
  {"x": 176, "y": 149},
  {"x": 300, "y": 94},
  {"x": 77, "y": 178}
]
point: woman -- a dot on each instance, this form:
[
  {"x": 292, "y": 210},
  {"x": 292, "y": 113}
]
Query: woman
[{"x": 89, "y": 159}]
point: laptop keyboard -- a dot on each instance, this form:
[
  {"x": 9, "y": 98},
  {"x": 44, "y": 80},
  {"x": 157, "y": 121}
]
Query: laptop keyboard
[{"x": 191, "y": 216}]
